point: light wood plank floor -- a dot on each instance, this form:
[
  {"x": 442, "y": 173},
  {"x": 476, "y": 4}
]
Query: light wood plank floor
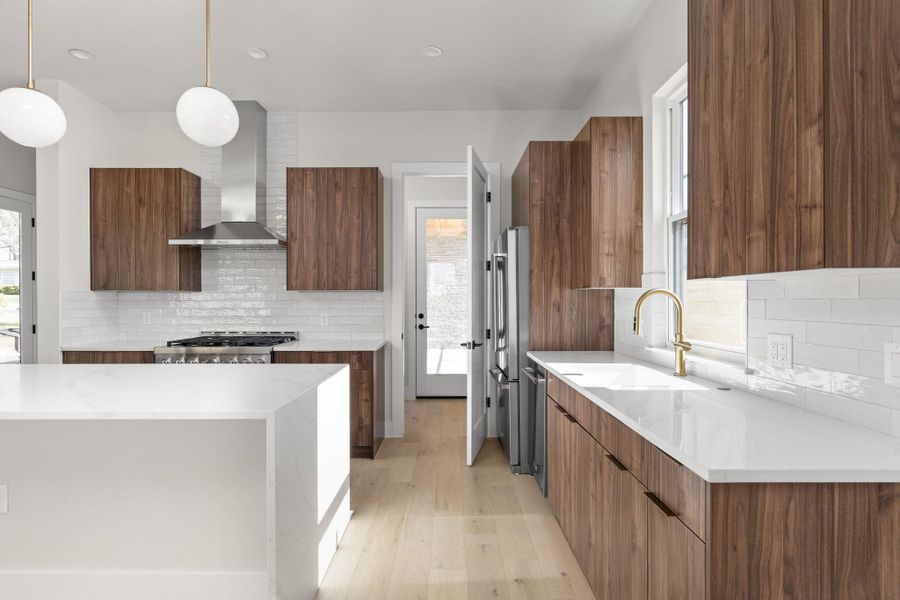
[{"x": 425, "y": 526}]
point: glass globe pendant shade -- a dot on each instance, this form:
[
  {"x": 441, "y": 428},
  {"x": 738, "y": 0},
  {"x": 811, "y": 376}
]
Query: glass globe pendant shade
[
  {"x": 207, "y": 116},
  {"x": 31, "y": 118}
]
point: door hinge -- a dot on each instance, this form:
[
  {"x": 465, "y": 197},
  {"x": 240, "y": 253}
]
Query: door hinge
[
  {"x": 34, "y": 329},
  {"x": 487, "y": 402},
  {"x": 488, "y": 196},
  {"x": 487, "y": 334},
  {"x": 487, "y": 265},
  {"x": 33, "y": 276},
  {"x": 32, "y": 221}
]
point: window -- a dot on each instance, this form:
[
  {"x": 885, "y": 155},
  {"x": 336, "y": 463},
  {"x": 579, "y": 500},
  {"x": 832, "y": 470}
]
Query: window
[{"x": 715, "y": 309}]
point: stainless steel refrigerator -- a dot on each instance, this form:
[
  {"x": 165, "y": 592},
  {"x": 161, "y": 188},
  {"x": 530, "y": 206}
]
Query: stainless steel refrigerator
[{"x": 510, "y": 323}]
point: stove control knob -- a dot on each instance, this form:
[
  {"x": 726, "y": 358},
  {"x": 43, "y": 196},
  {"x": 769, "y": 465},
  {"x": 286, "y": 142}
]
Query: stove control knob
[
  {"x": 180, "y": 361},
  {"x": 194, "y": 361},
  {"x": 233, "y": 361},
  {"x": 260, "y": 361},
  {"x": 247, "y": 361},
  {"x": 214, "y": 360},
  {"x": 166, "y": 361}
]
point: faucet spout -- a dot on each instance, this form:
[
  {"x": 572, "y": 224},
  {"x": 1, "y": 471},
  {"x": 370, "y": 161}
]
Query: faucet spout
[{"x": 681, "y": 345}]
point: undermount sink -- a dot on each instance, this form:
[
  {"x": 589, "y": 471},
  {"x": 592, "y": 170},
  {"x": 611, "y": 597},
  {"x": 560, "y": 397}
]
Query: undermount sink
[{"x": 626, "y": 376}]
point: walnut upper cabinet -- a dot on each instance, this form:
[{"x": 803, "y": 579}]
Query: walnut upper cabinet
[
  {"x": 606, "y": 181},
  {"x": 134, "y": 213},
  {"x": 334, "y": 229},
  {"x": 793, "y": 135}
]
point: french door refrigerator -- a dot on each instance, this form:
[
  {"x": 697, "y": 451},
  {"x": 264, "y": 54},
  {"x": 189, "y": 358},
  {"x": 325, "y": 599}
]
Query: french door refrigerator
[{"x": 510, "y": 322}]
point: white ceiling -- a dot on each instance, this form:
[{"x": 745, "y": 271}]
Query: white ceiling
[{"x": 326, "y": 54}]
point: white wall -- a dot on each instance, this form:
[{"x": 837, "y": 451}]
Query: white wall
[{"x": 17, "y": 164}]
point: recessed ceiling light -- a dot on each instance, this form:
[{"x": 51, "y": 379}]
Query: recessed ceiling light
[
  {"x": 257, "y": 53},
  {"x": 81, "y": 54},
  {"x": 432, "y": 51}
]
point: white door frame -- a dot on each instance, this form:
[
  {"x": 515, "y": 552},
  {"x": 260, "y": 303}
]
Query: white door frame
[
  {"x": 443, "y": 386},
  {"x": 399, "y": 316},
  {"x": 24, "y": 203}
]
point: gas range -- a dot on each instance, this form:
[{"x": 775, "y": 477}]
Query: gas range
[{"x": 224, "y": 347}]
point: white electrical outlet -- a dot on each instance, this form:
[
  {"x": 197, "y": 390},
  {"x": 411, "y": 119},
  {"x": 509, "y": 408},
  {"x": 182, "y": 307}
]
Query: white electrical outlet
[
  {"x": 323, "y": 319},
  {"x": 780, "y": 350},
  {"x": 4, "y": 499}
]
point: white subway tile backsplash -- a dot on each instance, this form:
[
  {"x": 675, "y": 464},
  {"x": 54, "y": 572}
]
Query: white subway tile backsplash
[
  {"x": 828, "y": 358},
  {"x": 760, "y": 328},
  {"x": 862, "y": 337},
  {"x": 796, "y": 309},
  {"x": 886, "y": 285},
  {"x": 756, "y": 309},
  {"x": 765, "y": 289},
  {"x": 823, "y": 287},
  {"x": 871, "y": 364},
  {"x": 866, "y": 311}
]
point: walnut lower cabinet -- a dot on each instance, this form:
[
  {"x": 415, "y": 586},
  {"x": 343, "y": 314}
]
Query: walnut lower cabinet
[
  {"x": 104, "y": 357},
  {"x": 644, "y": 527},
  {"x": 366, "y": 394}
]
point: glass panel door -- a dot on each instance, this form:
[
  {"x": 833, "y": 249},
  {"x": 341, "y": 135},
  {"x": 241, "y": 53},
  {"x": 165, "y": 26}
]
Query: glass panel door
[
  {"x": 16, "y": 299},
  {"x": 441, "y": 303}
]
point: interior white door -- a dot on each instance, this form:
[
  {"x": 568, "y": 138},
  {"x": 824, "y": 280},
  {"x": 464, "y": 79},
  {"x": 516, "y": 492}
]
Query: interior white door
[
  {"x": 442, "y": 286},
  {"x": 479, "y": 186}
]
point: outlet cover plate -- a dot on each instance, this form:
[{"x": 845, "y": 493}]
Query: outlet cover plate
[{"x": 780, "y": 350}]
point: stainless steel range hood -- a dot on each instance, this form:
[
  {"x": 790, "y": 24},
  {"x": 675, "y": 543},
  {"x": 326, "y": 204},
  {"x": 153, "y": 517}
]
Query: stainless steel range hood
[{"x": 243, "y": 189}]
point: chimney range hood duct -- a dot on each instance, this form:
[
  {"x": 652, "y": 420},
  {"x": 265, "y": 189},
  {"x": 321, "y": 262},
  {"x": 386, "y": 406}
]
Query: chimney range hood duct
[{"x": 243, "y": 189}]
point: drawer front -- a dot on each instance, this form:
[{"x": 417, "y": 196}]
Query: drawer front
[
  {"x": 571, "y": 401},
  {"x": 628, "y": 447},
  {"x": 679, "y": 488}
]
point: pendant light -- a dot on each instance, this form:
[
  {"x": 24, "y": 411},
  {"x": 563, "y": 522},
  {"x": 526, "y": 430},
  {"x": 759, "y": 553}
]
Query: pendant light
[
  {"x": 205, "y": 114},
  {"x": 27, "y": 116}
]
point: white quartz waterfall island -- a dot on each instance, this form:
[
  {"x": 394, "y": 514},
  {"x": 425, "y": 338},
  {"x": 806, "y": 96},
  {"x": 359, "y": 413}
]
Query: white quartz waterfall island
[{"x": 143, "y": 482}]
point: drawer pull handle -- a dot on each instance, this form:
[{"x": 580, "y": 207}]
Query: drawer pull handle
[
  {"x": 569, "y": 417},
  {"x": 659, "y": 504},
  {"x": 616, "y": 462}
]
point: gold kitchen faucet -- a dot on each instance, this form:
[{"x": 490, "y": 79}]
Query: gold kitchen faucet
[{"x": 681, "y": 345}]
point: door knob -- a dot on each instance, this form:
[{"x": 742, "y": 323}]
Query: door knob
[
  {"x": 424, "y": 326},
  {"x": 421, "y": 315}
]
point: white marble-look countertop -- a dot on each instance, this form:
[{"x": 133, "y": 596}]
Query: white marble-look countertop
[
  {"x": 302, "y": 345},
  {"x": 149, "y": 391},
  {"x": 726, "y": 436}
]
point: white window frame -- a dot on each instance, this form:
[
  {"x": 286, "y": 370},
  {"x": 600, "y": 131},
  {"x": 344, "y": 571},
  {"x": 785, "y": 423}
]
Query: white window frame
[{"x": 674, "y": 140}]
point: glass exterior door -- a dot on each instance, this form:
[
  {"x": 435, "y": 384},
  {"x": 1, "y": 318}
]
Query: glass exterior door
[
  {"x": 16, "y": 298},
  {"x": 441, "y": 321}
]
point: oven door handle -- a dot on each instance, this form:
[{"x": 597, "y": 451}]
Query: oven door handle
[{"x": 533, "y": 377}]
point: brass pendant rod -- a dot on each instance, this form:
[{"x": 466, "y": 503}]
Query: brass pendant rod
[
  {"x": 208, "y": 78},
  {"x": 30, "y": 84}
]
